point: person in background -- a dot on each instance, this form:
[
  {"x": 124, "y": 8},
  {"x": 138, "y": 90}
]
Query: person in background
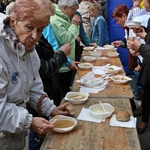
[
  {"x": 9, "y": 7},
  {"x": 3, "y": 4},
  {"x": 120, "y": 14},
  {"x": 144, "y": 78},
  {"x": 66, "y": 31},
  {"x": 86, "y": 19},
  {"x": 19, "y": 74},
  {"x": 99, "y": 32}
]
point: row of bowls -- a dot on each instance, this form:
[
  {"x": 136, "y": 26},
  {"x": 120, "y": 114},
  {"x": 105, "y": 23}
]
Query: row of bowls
[{"x": 95, "y": 110}]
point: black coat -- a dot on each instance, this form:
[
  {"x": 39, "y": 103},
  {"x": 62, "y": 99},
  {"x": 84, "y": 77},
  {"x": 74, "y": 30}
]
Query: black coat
[
  {"x": 51, "y": 62},
  {"x": 144, "y": 50}
]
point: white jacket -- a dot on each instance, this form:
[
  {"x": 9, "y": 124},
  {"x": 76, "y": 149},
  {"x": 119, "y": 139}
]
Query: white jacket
[{"x": 19, "y": 83}]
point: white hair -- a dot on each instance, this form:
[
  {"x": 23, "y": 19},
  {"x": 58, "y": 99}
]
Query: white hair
[{"x": 68, "y": 3}]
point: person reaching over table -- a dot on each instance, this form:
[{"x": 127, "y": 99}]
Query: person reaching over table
[
  {"x": 19, "y": 74},
  {"x": 99, "y": 32},
  {"x": 144, "y": 78},
  {"x": 66, "y": 31}
]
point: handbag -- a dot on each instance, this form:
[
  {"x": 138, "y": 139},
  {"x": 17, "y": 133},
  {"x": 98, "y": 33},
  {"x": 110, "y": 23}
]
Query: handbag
[{"x": 132, "y": 62}]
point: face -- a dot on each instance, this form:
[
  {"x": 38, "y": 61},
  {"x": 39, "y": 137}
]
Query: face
[
  {"x": 92, "y": 13},
  {"x": 121, "y": 20},
  {"x": 29, "y": 31},
  {"x": 70, "y": 11},
  {"x": 147, "y": 5}
]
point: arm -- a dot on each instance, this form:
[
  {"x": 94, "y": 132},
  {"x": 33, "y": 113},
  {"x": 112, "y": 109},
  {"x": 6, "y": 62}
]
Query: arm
[
  {"x": 102, "y": 30},
  {"x": 64, "y": 34}
]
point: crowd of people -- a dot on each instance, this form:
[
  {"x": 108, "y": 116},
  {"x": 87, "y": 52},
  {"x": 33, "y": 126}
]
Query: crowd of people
[{"x": 41, "y": 44}]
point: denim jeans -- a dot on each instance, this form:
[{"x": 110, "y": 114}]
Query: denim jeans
[
  {"x": 34, "y": 144},
  {"x": 138, "y": 88}
]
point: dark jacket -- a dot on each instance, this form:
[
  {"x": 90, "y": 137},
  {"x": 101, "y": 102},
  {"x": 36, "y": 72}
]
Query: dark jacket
[
  {"x": 51, "y": 62},
  {"x": 144, "y": 50}
]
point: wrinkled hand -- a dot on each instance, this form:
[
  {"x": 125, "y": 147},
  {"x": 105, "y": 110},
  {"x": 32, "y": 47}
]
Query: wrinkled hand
[
  {"x": 41, "y": 125},
  {"x": 134, "y": 53},
  {"x": 66, "y": 49},
  {"x": 60, "y": 110},
  {"x": 76, "y": 20},
  {"x": 93, "y": 44},
  {"x": 73, "y": 65},
  {"x": 116, "y": 43},
  {"x": 133, "y": 45}
]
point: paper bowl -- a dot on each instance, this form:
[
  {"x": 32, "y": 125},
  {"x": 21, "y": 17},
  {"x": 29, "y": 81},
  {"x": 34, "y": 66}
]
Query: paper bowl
[
  {"x": 85, "y": 66},
  {"x": 132, "y": 24},
  {"x": 97, "y": 112},
  {"x": 113, "y": 69},
  {"x": 124, "y": 79},
  {"x": 109, "y": 46},
  {"x": 89, "y": 58},
  {"x": 112, "y": 54},
  {"x": 94, "y": 82},
  {"x": 76, "y": 97},
  {"x": 99, "y": 48},
  {"x": 95, "y": 53},
  {"x": 64, "y": 124},
  {"x": 89, "y": 48}
]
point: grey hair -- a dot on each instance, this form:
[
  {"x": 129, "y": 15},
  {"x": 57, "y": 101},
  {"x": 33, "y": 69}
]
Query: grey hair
[{"x": 68, "y": 3}]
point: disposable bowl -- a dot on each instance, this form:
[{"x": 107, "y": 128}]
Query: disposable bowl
[
  {"x": 63, "y": 121},
  {"x": 118, "y": 79},
  {"x": 89, "y": 58},
  {"x": 76, "y": 97},
  {"x": 97, "y": 112},
  {"x": 89, "y": 48},
  {"x": 85, "y": 66}
]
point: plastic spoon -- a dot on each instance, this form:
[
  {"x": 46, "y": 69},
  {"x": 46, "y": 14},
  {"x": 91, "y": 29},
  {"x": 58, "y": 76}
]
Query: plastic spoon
[
  {"x": 122, "y": 76},
  {"x": 103, "y": 107}
]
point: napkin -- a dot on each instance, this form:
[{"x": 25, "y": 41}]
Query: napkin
[
  {"x": 94, "y": 89},
  {"x": 86, "y": 116},
  {"x": 129, "y": 124}
]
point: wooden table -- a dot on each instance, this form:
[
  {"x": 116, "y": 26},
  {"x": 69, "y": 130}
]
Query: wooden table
[
  {"x": 113, "y": 90},
  {"x": 95, "y": 136}
]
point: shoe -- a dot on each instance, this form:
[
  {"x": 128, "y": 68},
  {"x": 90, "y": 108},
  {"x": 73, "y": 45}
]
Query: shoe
[
  {"x": 137, "y": 112},
  {"x": 142, "y": 130}
]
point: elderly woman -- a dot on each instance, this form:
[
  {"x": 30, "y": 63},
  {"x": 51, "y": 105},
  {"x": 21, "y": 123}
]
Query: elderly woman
[
  {"x": 19, "y": 78},
  {"x": 66, "y": 31}
]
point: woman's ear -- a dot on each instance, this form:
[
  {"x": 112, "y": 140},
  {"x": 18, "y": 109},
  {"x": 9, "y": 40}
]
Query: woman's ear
[
  {"x": 64, "y": 8},
  {"x": 12, "y": 22}
]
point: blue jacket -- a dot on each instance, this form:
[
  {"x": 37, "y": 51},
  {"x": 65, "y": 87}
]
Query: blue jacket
[{"x": 99, "y": 33}]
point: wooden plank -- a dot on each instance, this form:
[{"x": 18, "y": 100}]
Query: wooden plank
[{"x": 95, "y": 136}]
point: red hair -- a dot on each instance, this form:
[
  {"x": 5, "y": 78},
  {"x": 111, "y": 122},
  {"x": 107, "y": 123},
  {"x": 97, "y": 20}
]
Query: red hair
[{"x": 120, "y": 10}]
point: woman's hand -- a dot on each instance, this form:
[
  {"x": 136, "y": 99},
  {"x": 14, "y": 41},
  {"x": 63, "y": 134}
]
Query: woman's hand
[
  {"x": 117, "y": 43},
  {"x": 76, "y": 20},
  {"x": 66, "y": 48},
  {"x": 73, "y": 65},
  {"x": 60, "y": 110},
  {"x": 41, "y": 125},
  {"x": 133, "y": 45},
  {"x": 93, "y": 44},
  {"x": 140, "y": 32}
]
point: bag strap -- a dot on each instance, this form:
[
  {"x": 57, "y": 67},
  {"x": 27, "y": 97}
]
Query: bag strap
[{"x": 39, "y": 104}]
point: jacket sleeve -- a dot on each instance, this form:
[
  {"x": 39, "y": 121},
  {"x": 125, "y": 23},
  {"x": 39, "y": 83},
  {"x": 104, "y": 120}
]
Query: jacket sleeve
[
  {"x": 51, "y": 66},
  {"x": 145, "y": 53},
  {"x": 82, "y": 34},
  {"x": 64, "y": 33}
]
